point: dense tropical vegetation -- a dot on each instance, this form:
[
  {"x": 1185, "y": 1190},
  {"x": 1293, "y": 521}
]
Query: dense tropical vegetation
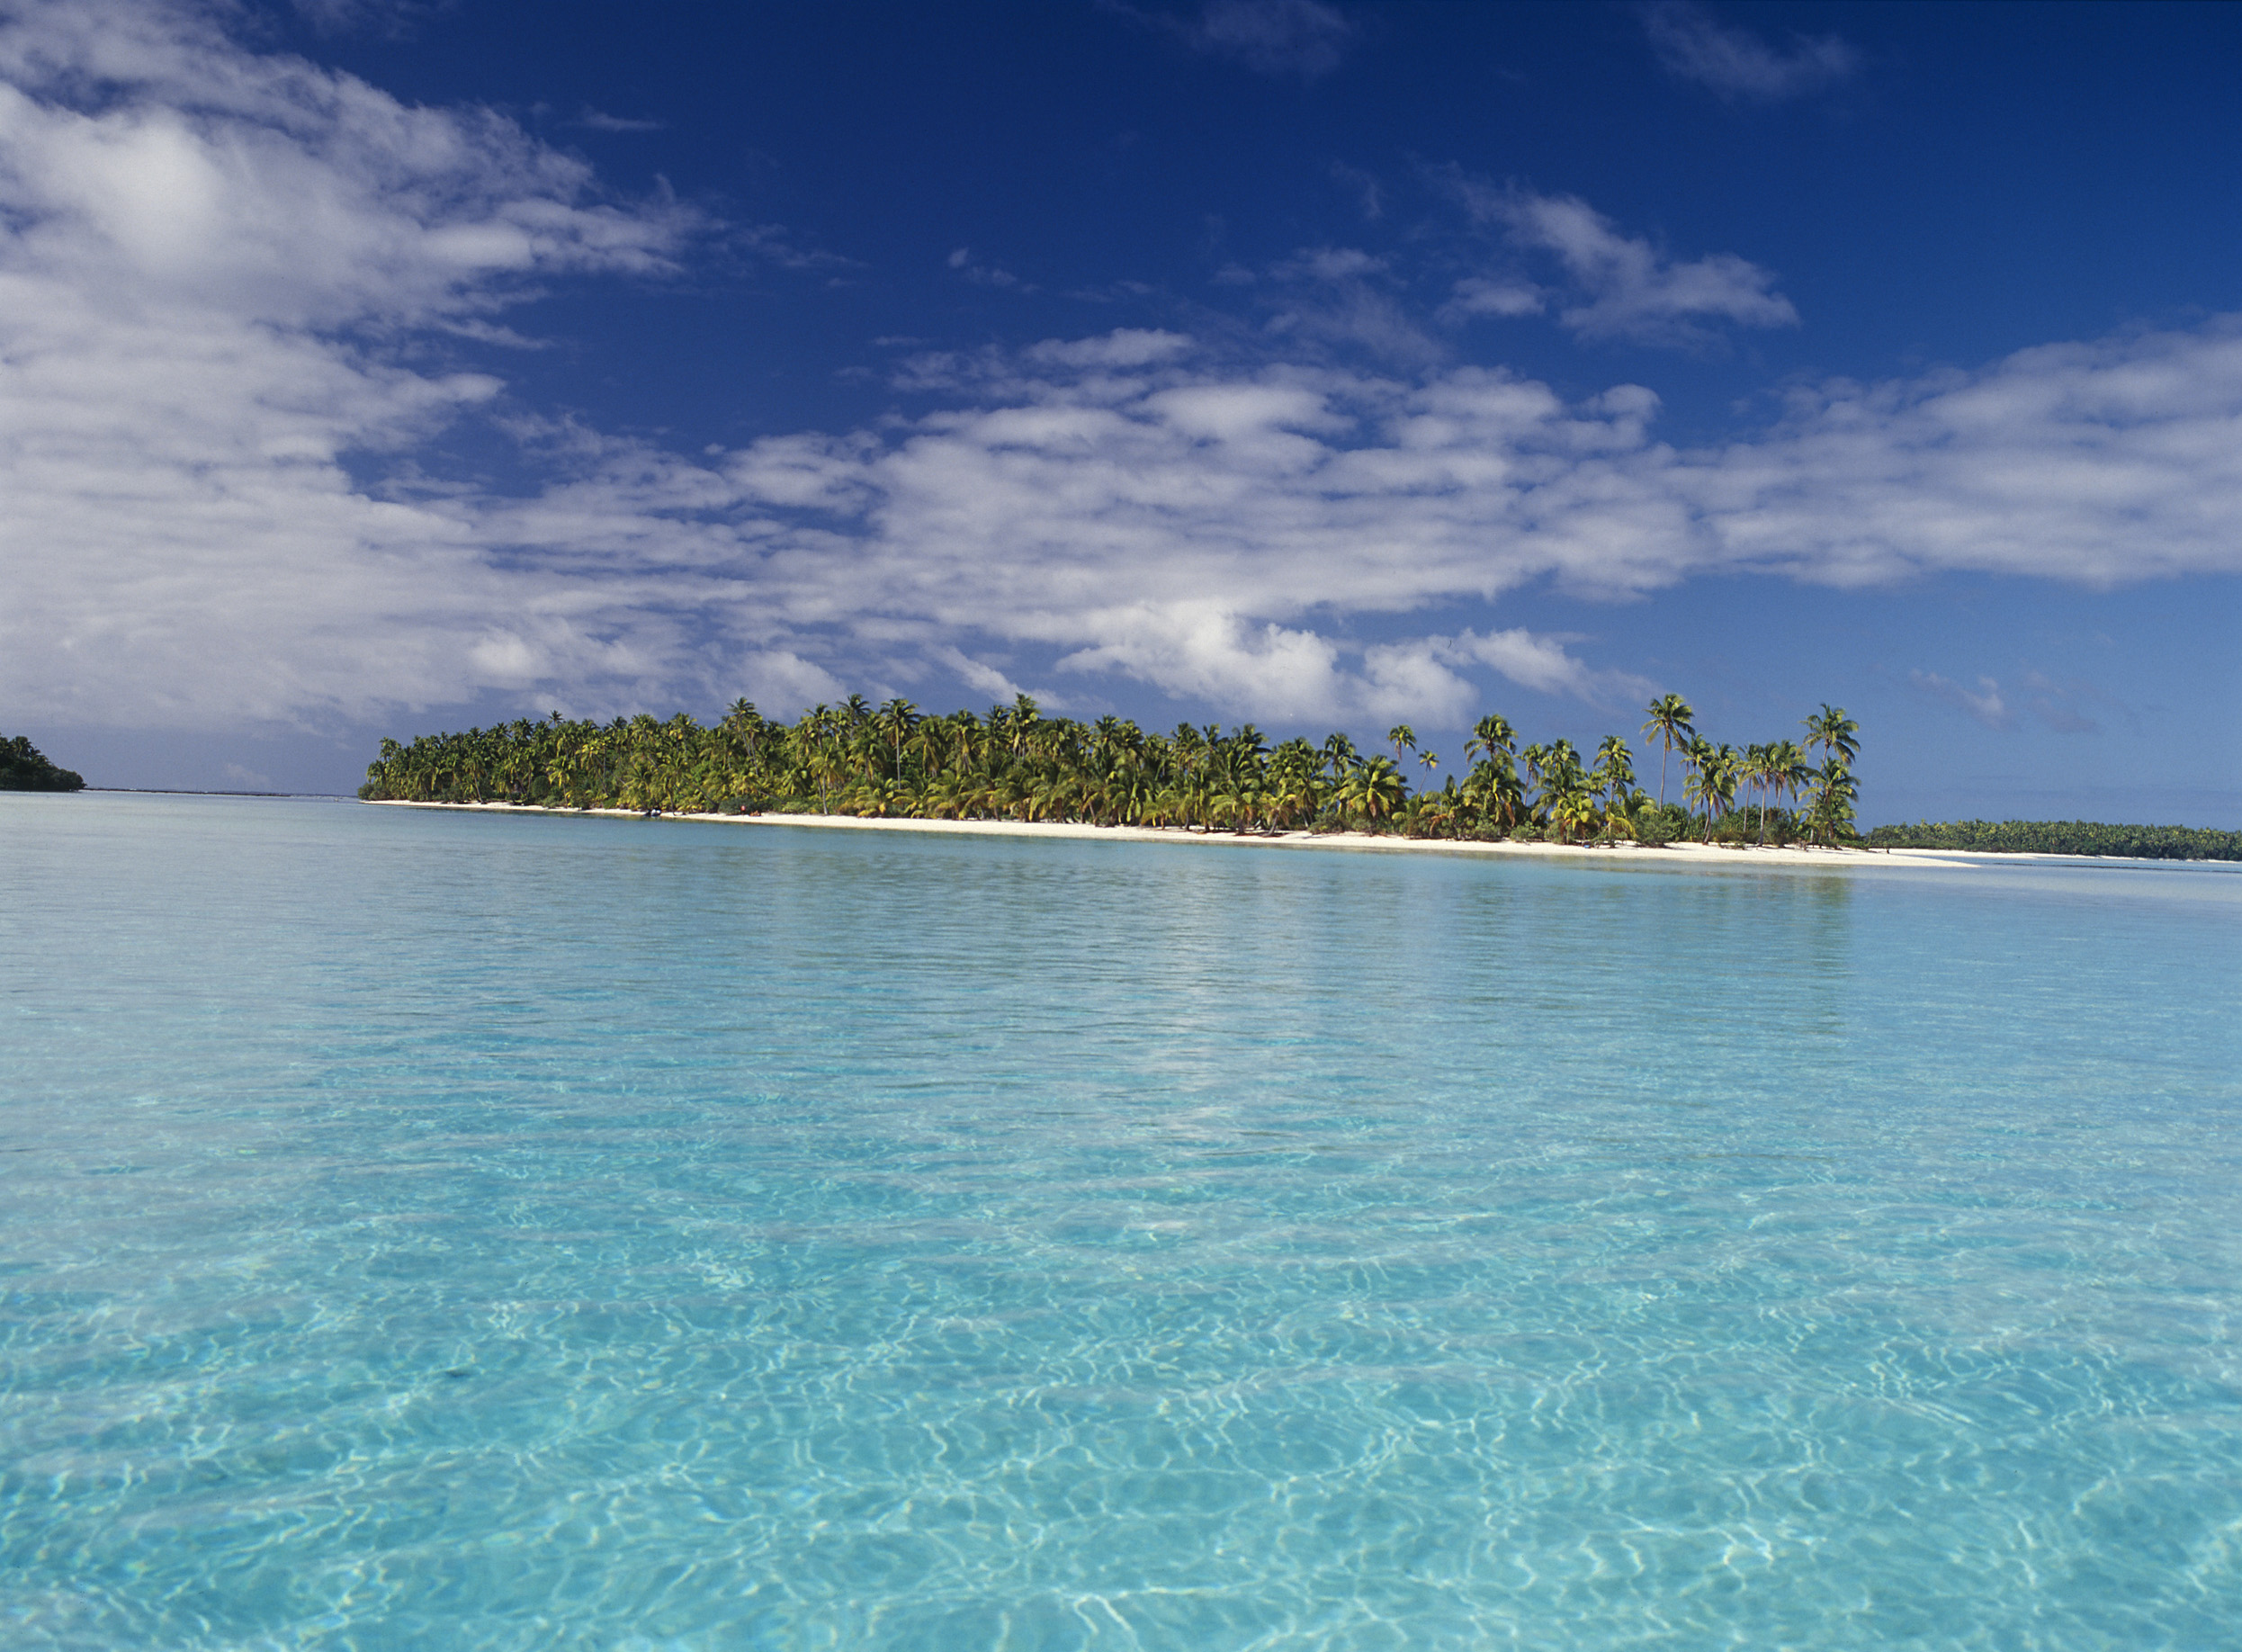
[
  {"x": 1017, "y": 764},
  {"x": 2065, "y": 837},
  {"x": 23, "y": 769}
]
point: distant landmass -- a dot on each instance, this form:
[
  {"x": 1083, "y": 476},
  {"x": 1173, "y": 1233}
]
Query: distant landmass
[
  {"x": 23, "y": 769},
  {"x": 2064, "y": 838}
]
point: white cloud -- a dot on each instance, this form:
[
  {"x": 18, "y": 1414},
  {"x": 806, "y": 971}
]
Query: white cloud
[
  {"x": 1127, "y": 346},
  {"x": 1985, "y": 705},
  {"x": 600, "y": 121},
  {"x": 1476, "y": 296},
  {"x": 1736, "y": 63},
  {"x": 212, "y": 437},
  {"x": 977, "y": 673},
  {"x": 2055, "y": 704},
  {"x": 1341, "y": 296},
  {"x": 201, "y": 251},
  {"x": 961, "y": 260},
  {"x": 1626, "y": 289},
  {"x": 1285, "y": 39},
  {"x": 1541, "y": 663}
]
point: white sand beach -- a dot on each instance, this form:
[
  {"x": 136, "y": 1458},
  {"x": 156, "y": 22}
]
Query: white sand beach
[{"x": 1703, "y": 855}]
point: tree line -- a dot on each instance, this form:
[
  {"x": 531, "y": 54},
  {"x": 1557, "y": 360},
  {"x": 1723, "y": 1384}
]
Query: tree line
[
  {"x": 1018, "y": 764},
  {"x": 22, "y": 768},
  {"x": 2065, "y": 837}
]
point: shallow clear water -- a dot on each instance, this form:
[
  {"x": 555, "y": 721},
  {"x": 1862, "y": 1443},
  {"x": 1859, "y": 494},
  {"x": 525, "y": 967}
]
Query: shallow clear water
[{"x": 422, "y": 1229}]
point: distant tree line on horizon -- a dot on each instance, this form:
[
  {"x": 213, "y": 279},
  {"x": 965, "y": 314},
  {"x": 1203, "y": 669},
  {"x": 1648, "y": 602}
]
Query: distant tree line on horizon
[
  {"x": 2064, "y": 838},
  {"x": 23, "y": 769},
  {"x": 1018, "y": 764}
]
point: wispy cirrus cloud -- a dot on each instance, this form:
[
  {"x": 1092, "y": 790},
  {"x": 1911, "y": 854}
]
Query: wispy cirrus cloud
[
  {"x": 1985, "y": 704},
  {"x": 1736, "y": 63},
  {"x": 980, "y": 274},
  {"x": 1286, "y": 40},
  {"x": 1302, "y": 39},
  {"x": 2057, "y": 705},
  {"x": 600, "y": 121}
]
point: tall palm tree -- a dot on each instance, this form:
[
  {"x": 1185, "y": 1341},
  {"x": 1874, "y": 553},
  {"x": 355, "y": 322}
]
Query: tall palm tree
[
  {"x": 1671, "y": 725},
  {"x": 1711, "y": 779},
  {"x": 1834, "y": 733},
  {"x": 1339, "y": 756},
  {"x": 1756, "y": 770},
  {"x": 1791, "y": 771},
  {"x": 897, "y": 719},
  {"x": 1614, "y": 773},
  {"x": 1401, "y": 737},
  {"x": 1492, "y": 734}
]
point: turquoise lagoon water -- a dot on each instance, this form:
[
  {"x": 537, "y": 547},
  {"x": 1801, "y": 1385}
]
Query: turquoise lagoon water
[{"x": 432, "y": 1230}]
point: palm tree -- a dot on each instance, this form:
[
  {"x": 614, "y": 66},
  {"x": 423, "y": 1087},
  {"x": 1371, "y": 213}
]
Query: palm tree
[
  {"x": 852, "y": 758},
  {"x": 1375, "y": 788},
  {"x": 1536, "y": 757},
  {"x": 1339, "y": 756},
  {"x": 1573, "y": 811},
  {"x": 1791, "y": 771},
  {"x": 1614, "y": 773},
  {"x": 1754, "y": 769},
  {"x": 897, "y": 719},
  {"x": 1834, "y": 733},
  {"x": 1492, "y": 734},
  {"x": 1712, "y": 779},
  {"x": 1834, "y": 791},
  {"x": 1670, "y": 724}
]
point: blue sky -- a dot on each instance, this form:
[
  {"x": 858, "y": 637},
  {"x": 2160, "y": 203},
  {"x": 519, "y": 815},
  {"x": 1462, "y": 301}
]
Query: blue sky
[{"x": 371, "y": 369}]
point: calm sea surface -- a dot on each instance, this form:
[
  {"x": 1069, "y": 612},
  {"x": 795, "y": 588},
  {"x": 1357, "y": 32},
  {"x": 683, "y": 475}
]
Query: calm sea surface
[{"x": 424, "y": 1230}]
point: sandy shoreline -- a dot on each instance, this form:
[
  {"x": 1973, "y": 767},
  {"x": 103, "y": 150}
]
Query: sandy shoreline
[{"x": 1705, "y": 857}]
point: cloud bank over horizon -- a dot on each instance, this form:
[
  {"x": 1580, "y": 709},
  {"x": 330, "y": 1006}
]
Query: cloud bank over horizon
[{"x": 236, "y": 291}]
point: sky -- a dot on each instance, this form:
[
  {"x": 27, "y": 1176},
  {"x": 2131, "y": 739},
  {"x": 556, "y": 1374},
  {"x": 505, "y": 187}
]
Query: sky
[{"x": 369, "y": 368}]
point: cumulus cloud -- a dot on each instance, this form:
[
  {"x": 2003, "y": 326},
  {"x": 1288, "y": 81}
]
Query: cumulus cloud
[
  {"x": 203, "y": 253},
  {"x": 1542, "y": 663},
  {"x": 1738, "y": 64},
  {"x": 220, "y": 449}
]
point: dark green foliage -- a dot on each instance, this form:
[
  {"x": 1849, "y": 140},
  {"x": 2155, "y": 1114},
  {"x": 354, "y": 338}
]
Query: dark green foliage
[
  {"x": 1015, "y": 764},
  {"x": 23, "y": 769},
  {"x": 2065, "y": 837}
]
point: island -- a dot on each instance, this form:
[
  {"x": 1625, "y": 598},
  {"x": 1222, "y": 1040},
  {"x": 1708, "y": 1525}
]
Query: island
[
  {"x": 1017, "y": 764},
  {"x": 22, "y": 768}
]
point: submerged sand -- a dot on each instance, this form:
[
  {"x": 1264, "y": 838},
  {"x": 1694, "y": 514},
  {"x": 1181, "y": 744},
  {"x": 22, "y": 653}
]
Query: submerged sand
[{"x": 1705, "y": 855}]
